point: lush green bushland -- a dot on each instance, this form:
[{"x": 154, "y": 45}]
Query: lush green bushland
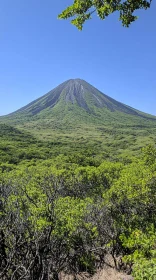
[{"x": 67, "y": 212}]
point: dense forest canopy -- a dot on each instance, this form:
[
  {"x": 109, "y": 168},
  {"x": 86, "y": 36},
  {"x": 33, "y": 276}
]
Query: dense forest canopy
[{"x": 65, "y": 212}]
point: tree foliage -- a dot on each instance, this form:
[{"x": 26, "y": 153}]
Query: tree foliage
[
  {"x": 81, "y": 10},
  {"x": 62, "y": 217}
]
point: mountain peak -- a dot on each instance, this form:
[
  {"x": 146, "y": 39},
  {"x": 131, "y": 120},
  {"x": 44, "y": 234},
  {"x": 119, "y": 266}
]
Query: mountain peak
[{"x": 76, "y": 80}]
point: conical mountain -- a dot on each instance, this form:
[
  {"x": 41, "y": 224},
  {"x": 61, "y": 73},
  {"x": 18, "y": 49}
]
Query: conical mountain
[
  {"x": 74, "y": 104},
  {"x": 76, "y": 114},
  {"x": 79, "y": 94}
]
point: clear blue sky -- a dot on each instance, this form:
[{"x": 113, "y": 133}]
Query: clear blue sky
[{"x": 38, "y": 52}]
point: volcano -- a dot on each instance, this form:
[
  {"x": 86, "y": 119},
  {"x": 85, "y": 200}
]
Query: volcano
[
  {"x": 76, "y": 103},
  {"x": 76, "y": 114},
  {"x": 80, "y": 93}
]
